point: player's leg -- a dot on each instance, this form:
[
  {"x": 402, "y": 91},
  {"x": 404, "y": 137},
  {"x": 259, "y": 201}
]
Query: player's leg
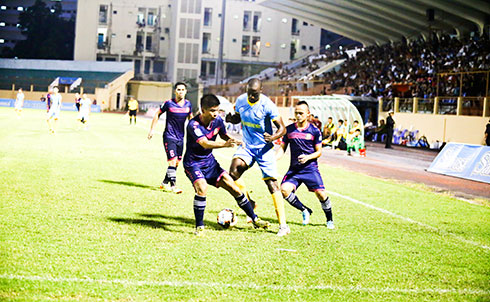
[
  {"x": 200, "y": 188},
  {"x": 173, "y": 151},
  {"x": 239, "y": 164},
  {"x": 227, "y": 183},
  {"x": 267, "y": 163},
  {"x": 326, "y": 207},
  {"x": 288, "y": 189}
]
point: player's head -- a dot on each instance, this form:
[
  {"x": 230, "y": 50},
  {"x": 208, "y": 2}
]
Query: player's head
[
  {"x": 180, "y": 90},
  {"x": 210, "y": 106},
  {"x": 55, "y": 89},
  {"x": 20, "y": 89},
  {"x": 254, "y": 87},
  {"x": 301, "y": 111},
  {"x": 84, "y": 95},
  {"x": 356, "y": 123},
  {"x": 341, "y": 122},
  {"x": 330, "y": 119}
]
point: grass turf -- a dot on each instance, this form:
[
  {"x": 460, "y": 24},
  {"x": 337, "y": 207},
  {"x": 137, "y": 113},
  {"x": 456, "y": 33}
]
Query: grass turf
[{"x": 82, "y": 218}]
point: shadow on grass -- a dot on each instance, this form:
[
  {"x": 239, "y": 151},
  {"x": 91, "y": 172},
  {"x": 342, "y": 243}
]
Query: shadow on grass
[
  {"x": 128, "y": 183},
  {"x": 155, "y": 224}
]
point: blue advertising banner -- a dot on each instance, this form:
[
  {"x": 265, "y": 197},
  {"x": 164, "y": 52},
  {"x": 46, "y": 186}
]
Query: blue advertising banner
[
  {"x": 463, "y": 160},
  {"x": 42, "y": 105}
]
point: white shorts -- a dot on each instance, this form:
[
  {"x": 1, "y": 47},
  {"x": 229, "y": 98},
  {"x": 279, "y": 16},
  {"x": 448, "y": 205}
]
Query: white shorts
[{"x": 53, "y": 113}]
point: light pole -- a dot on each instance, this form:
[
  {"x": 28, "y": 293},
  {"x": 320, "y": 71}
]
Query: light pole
[{"x": 219, "y": 67}]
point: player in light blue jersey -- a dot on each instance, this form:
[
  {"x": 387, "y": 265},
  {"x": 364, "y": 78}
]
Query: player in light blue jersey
[
  {"x": 257, "y": 113},
  {"x": 54, "y": 110}
]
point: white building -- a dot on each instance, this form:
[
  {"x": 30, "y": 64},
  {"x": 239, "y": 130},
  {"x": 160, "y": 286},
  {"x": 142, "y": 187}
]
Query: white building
[{"x": 179, "y": 40}]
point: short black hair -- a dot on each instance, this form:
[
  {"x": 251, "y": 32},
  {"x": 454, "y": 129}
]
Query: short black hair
[
  {"x": 303, "y": 103},
  {"x": 356, "y": 121},
  {"x": 358, "y": 130},
  {"x": 341, "y": 121},
  {"x": 330, "y": 117},
  {"x": 180, "y": 83},
  {"x": 209, "y": 101}
]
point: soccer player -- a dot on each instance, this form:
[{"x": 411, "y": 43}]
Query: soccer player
[
  {"x": 202, "y": 168},
  {"x": 133, "y": 109},
  {"x": 305, "y": 141},
  {"x": 178, "y": 111},
  {"x": 85, "y": 104},
  {"x": 257, "y": 112},
  {"x": 19, "y": 102},
  {"x": 54, "y": 109}
]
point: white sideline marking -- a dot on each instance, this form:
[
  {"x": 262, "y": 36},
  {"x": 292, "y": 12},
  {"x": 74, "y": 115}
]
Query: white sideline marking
[
  {"x": 433, "y": 229},
  {"x": 464, "y": 291}
]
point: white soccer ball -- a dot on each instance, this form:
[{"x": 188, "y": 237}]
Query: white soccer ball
[{"x": 227, "y": 218}]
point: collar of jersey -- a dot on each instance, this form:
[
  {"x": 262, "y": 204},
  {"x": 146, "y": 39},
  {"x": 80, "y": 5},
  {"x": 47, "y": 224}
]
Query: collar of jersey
[
  {"x": 251, "y": 104},
  {"x": 302, "y": 129}
]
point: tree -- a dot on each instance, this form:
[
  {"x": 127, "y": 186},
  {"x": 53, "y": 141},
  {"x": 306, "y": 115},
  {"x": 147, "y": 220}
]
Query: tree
[{"x": 48, "y": 36}]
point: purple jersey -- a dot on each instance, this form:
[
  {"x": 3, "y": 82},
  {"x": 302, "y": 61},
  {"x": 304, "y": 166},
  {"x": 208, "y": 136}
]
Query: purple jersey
[
  {"x": 176, "y": 116},
  {"x": 195, "y": 154},
  {"x": 302, "y": 141}
]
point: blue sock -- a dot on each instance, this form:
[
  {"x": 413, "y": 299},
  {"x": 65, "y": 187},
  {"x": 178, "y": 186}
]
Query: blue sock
[
  {"x": 246, "y": 206},
  {"x": 327, "y": 208},
  {"x": 199, "y": 206},
  {"x": 294, "y": 201}
]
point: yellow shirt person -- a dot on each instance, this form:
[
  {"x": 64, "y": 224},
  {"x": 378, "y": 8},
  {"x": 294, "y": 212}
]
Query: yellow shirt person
[{"x": 132, "y": 109}]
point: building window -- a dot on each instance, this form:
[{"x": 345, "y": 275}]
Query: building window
[
  {"x": 140, "y": 19},
  {"x": 100, "y": 41},
  {"x": 257, "y": 21},
  {"x": 208, "y": 13},
  {"x": 158, "y": 66},
  {"x": 212, "y": 68},
  {"x": 103, "y": 14},
  {"x": 137, "y": 66},
  {"x": 152, "y": 18},
  {"x": 139, "y": 42},
  {"x": 247, "y": 16},
  {"x": 206, "y": 42},
  {"x": 256, "y": 46},
  {"x": 148, "y": 43},
  {"x": 147, "y": 66},
  {"x": 294, "y": 27},
  {"x": 245, "y": 45},
  {"x": 203, "y": 68}
]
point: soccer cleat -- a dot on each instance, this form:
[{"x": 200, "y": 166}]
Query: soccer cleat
[
  {"x": 306, "y": 216},
  {"x": 166, "y": 187},
  {"x": 283, "y": 231},
  {"x": 199, "y": 231},
  {"x": 330, "y": 225},
  {"x": 176, "y": 190},
  {"x": 259, "y": 223}
]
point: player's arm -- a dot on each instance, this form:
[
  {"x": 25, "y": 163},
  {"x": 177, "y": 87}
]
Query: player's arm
[
  {"x": 207, "y": 144},
  {"x": 280, "y": 151},
  {"x": 154, "y": 121},
  {"x": 233, "y": 118},
  {"x": 226, "y": 137},
  {"x": 303, "y": 158},
  {"x": 281, "y": 130}
]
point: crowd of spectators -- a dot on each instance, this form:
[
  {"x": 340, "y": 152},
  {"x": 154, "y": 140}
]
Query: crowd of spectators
[{"x": 408, "y": 68}]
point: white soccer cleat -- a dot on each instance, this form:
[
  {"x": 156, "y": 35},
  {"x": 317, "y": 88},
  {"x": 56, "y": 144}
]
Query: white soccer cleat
[
  {"x": 330, "y": 225},
  {"x": 306, "y": 217},
  {"x": 199, "y": 231},
  {"x": 283, "y": 231}
]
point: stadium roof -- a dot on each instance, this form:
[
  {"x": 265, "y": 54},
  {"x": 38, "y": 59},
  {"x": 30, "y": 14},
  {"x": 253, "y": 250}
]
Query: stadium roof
[{"x": 381, "y": 21}]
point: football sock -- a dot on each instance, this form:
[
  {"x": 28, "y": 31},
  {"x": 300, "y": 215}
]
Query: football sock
[
  {"x": 246, "y": 206},
  {"x": 294, "y": 201},
  {"x": 172, "y": 175},
  {"x": 241, "y": 185},
  {"x": 327, "y": 208},
  {"x": 279, "y": 207},
  {"x": 199, "y": 206}
]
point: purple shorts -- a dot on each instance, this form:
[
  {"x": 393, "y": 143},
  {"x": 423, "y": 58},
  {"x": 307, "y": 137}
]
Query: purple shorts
[
  {"x": 310, "y": 177},
  {"x": 173, "y": 148},
  {"x": 212, "y": 172}
]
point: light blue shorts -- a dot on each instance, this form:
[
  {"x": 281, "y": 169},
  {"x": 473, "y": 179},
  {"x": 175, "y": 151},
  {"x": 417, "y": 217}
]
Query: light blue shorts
[{"x": 264, "y": 157}]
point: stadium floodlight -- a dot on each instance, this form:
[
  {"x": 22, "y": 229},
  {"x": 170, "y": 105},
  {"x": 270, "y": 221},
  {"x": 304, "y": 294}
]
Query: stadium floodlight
[
  {"x": 20, "y": 8},
  {"x": 3, "y": 7},
  {"x": 2, "y": 23}
]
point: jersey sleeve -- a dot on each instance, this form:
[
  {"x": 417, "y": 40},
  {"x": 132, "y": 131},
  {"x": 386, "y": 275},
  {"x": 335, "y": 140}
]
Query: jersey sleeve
[
  {"x": 317, "y": 137},
  {"x": 164, "y": 107},
  {"x": 285, "y": 138},
  {"x": 222, "y": 127},
  {"x": 194, "y": 130},
  {"x": 271, "y": 110}
]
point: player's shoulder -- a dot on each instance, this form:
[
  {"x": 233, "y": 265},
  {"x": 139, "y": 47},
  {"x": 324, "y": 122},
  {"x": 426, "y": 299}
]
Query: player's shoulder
[
  {"x": 290, "y": 128},
  {"x": 313, "y": 128}
]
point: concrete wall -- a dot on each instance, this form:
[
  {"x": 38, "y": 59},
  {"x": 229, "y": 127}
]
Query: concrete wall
[
  {"x": 443, "y": 128},
  {"x": 150, "y": 91}
]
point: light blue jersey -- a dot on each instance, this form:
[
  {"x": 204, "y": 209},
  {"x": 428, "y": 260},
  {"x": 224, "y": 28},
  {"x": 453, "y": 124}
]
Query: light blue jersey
[{"x": 256, "y": 119}]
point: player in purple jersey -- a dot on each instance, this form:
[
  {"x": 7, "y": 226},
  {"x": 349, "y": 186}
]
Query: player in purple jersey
[
  {"x": 305, "y": 141},
  {"x": 178, "y": 111},
  {"x": 202, "y": 168}
]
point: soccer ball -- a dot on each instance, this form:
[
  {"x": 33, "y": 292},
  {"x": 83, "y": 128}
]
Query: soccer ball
[{"x": 227, "y": 218}]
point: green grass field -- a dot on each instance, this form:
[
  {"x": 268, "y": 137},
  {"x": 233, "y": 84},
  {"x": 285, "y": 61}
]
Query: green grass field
[{"x": 82, "y": 218}]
